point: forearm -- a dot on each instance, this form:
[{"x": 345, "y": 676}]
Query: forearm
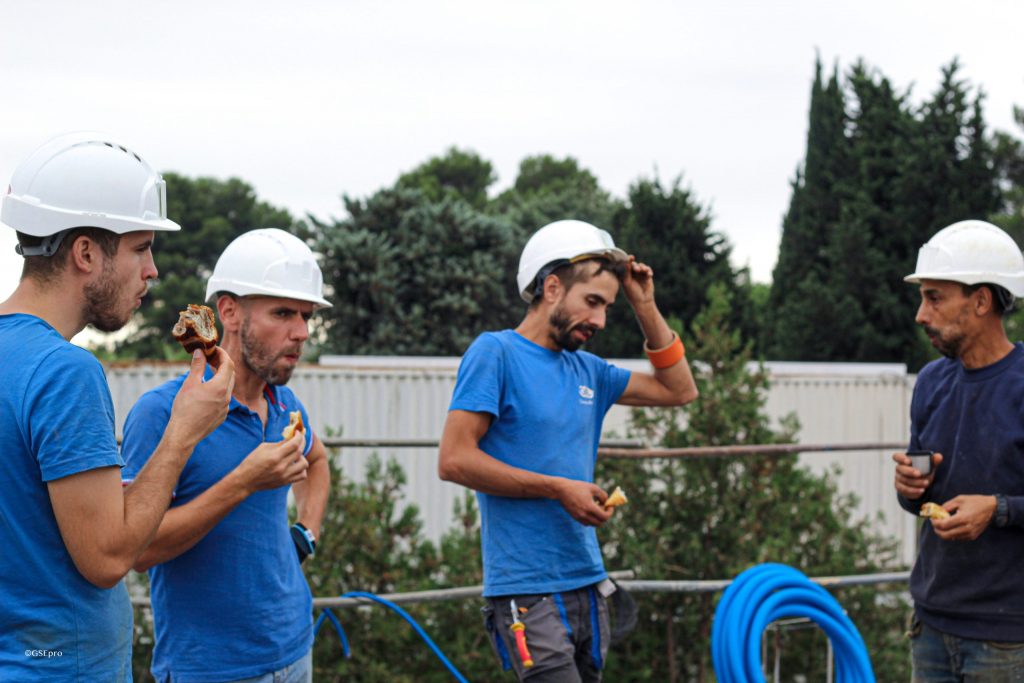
[
  {"x": 652, "y": 323},
  {"x": 311, "y": 495},
  {"x": 475, "y": 469},
  {"x": 184, "y": 526},
  {"x": 677, "y": 378},
  {"x": 147, "y": 498}
]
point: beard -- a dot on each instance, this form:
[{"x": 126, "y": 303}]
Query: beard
[
  {"x": 949, "y": 346},
  {"x": 102, "y": 299},
  {"x": 562, "y": 330},
  {"x": 260, "y": 359}
]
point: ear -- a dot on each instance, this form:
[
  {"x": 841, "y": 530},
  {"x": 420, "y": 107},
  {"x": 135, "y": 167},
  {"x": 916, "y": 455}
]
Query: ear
[
  {"x": 86, "y": 256},
  {"x": 983, "y": 302},
  {"x": 553, "y": 289},
  {"x": 229, "y": 311}
]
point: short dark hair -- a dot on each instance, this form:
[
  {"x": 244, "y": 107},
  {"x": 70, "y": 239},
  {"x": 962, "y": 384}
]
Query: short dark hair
[
  {"x": 572, "y": 272},
  {"x": 1002, "y": 300},
  {"x": 46, "y": 268}
]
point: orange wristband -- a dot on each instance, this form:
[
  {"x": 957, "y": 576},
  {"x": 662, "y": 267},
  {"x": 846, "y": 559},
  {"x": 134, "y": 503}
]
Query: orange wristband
[{"x": 666, "y": 356}]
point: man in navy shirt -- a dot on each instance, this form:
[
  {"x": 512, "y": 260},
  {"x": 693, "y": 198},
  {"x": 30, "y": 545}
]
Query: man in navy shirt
[
  {"x": 85, "y": 208},
  {"x": 523, "y": 429},
  {"x": 229, "y": 598},
  {"x": 968, "y": 411}
]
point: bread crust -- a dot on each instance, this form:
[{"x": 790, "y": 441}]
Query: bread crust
[
  {"x": 933, "y": 511},
  {"x": 294, "y": 425},
  {"x": 196, "y": 329},
  {"x": 617, "y": 498}
]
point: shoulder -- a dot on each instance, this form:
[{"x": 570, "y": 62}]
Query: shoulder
[
  {"x": 490, "y": 342},
  {"x": 68, "y": 357},
  {"x": 936, "y": 372},
  {"x": 66, "y": 371}
]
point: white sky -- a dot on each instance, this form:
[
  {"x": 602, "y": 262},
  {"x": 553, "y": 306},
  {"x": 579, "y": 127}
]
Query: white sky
[{"x": 310, "y": 100}]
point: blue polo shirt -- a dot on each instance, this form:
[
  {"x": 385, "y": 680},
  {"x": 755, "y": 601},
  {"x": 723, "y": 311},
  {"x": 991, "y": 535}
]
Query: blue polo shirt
[
  {"x": 548, "y": 409},
  {"x": 236, "y": 604},
  {"x": 56, "y": 420}
]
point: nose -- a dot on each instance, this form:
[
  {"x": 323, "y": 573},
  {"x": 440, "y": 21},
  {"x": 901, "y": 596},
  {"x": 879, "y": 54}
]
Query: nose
[
  {"x": 921, "y": 318},
  {"x": 598, "y": 318},
  {"x": 300, "y": 330},
  {"x": 149, "y": 271}
]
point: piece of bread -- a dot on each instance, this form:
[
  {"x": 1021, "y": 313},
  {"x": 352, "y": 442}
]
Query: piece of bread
[
  {"x": 616, "y": 499},
  {"x": 933, "y": 511},
  {"x": 295, "y": 425},
  {"x": 196, "y": 329}
]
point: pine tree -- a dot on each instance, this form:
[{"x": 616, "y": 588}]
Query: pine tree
[{"x": 801, "y": 306}]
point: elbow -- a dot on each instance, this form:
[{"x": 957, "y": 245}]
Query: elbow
[
  {"x": 688, "y": 395},
  {"x": 107, "y": 575},
  {"x": 143, "y": 565},
  {"x": 447, "y": 467}
]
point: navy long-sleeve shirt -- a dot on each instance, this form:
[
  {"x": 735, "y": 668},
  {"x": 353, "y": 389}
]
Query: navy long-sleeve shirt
[{"x": 975, "y": 418}]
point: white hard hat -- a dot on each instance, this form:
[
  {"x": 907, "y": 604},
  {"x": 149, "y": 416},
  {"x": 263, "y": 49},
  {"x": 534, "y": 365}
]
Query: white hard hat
[
  {"x": 268, "y": 262},
  {"x": 85, "y": 180},
  {"x": 971, "y": 252},
  {"x": 562, "y": 241}
]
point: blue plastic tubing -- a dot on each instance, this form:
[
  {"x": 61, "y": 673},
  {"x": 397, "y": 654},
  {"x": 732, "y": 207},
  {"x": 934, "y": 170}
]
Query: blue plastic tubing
[
  {"x": 768, "y": 592},
  {"x": 328, "y": 614}
]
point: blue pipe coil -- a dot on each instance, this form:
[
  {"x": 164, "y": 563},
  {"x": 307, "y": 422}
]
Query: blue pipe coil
[{"x": 769, "y": 592}]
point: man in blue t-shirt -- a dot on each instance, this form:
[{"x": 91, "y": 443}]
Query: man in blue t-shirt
[
  {"x": 523, "y": 430},
  {"x": 85, "y": 209},
  {"x": 229, "y": 598},
  {"x": 967, "y": 455}
]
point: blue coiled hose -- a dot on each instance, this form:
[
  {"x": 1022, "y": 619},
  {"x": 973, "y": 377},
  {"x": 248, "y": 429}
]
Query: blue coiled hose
[
  {"x": 768, "y": 592},
  {"x": 328, "y": 614}
]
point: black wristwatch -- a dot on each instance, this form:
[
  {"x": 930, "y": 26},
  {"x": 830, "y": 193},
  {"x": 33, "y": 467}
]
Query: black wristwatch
[
  {"x": 1002, "y": 516},
  {"x": 305, "y": 541}
]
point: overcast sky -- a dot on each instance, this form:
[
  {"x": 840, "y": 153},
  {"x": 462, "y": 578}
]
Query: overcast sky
[{"x": 310, "y": 100}]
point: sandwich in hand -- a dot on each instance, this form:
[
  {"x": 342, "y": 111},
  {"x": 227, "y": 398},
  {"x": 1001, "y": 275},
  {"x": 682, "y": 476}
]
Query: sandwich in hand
[
  {"x": 295, "y": 425},
  {"x": 196, "y": 329},
  {"x": 933, "y": 511},
  {"x": 616, "y": 499}
]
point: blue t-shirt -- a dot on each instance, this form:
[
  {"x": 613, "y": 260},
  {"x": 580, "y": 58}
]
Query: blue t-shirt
[
  {"x": 975, "y": 418},
  {"x": 56, "y": 419},
  {"x": 548, "y": 408},
  {"x": 235, "y": 605}
]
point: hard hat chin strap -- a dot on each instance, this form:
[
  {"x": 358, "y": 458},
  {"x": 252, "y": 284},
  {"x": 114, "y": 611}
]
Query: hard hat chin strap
[
  {"x": 542, "y": 275},
  {"x": 48, "y": 247}
]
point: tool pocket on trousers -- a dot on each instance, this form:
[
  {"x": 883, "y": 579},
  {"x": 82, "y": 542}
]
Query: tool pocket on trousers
[{"x": 547, "y": 638}]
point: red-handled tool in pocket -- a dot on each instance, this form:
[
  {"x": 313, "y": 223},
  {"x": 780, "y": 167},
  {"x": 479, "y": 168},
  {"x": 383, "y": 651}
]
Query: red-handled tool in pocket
[{"x": 519, "y": 631}]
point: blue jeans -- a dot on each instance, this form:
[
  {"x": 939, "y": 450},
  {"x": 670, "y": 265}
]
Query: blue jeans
[
  {"x": 299, "y": 671},
  {"x": 941, "y": 658}
]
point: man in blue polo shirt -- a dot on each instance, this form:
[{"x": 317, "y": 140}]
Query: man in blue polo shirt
[
  {"x": 965, "y": 418},
  {"x": 229, "y": 598},
  {"x": 85, "y": 208},
  {"x": 523, "y": 429}
]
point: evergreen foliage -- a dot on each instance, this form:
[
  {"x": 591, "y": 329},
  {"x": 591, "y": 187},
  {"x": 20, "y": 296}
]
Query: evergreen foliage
[
  {"x": 880, "y": 177},
  {"x": 415, "y": 277}
]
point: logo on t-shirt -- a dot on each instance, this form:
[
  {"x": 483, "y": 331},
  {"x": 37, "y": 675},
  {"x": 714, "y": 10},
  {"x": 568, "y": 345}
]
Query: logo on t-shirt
[{"x": 586, "y": 395}]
